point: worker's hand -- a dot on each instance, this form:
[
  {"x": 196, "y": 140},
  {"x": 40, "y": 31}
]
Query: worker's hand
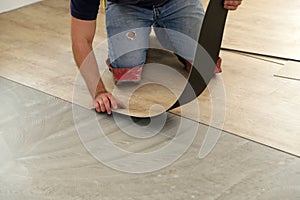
[
  {"x": 232, "y": 4},
  {"x": 104, "y": 102}
]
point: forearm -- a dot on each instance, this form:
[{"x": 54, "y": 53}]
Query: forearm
[
  {"x": 87, "y": 64},
  {"x": 82, "y": 38}
]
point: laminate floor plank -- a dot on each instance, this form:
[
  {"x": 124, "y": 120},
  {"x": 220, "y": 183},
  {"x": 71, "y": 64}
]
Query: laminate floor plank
[
  {"x": 258, "y": 105},
  {"x": 265, "y": 27},
  {"x": 43, "y": 156}
]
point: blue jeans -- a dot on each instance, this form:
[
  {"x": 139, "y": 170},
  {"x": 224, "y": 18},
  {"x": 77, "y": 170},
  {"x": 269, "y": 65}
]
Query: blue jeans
[{"x": 176, "y": 25}]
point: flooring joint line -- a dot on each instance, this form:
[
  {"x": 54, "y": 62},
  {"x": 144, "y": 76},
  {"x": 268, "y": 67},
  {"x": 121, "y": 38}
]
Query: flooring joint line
[{"x": 260, "y": 54}]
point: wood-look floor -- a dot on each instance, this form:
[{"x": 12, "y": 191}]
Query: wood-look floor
[
  {"x": 259, "y": 106},
  {"x": 42, "y": 157},
  {"x": 36, "y": 51},
  {"x": 265, "y": 27},
  {"x": 291, "y": 70}
]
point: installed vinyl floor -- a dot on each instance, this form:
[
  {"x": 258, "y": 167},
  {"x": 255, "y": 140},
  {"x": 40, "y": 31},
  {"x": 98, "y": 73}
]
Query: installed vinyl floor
[
  {"x": 43, "y": 157},
  {"x": 291, "y": 70},
  {"x": 265, "y": 27}
]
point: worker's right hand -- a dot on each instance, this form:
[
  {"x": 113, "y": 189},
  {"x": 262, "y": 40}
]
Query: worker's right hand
[{"x": 104, "y": 102}]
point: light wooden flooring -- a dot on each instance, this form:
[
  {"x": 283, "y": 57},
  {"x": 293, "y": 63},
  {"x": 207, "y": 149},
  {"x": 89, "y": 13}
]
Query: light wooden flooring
[
  {"x": 36, "y": 51},
  {"x": 259, "y": 106},
  {"x": 265, "y": 27},
  {"x": 291, "y": 70}
]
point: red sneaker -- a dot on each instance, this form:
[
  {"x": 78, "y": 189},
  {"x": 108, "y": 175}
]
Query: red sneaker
[{"x": 126, "y": 74}]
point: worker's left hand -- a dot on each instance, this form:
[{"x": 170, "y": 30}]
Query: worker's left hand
[{"x": 232, "y": 4}]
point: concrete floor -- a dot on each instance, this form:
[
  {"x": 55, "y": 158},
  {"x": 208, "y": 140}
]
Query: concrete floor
[{"x": 42, "y": 157}]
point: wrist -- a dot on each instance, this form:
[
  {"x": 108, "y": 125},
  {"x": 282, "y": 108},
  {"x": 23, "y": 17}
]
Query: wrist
[{"x": 100, "y": 89}]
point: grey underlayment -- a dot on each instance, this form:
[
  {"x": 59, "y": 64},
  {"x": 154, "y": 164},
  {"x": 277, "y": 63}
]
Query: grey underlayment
[{"x": 43, "y": 156}]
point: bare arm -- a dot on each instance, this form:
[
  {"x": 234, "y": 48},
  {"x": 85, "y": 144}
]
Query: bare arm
[{"x": 82, "y": 33}]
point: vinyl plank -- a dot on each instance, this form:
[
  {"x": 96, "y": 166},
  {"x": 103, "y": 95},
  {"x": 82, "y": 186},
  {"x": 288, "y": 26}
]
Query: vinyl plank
[
  {"x": 257, "y": 104},
  {"x": 258, "y": 27},
  {"x": 43, "y": 157}
]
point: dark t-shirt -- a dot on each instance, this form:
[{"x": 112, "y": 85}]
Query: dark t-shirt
[{"x": 88, "y": 9}]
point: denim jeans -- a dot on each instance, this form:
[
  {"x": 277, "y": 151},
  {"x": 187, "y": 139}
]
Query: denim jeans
[{"x": 176, "y": 25}]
